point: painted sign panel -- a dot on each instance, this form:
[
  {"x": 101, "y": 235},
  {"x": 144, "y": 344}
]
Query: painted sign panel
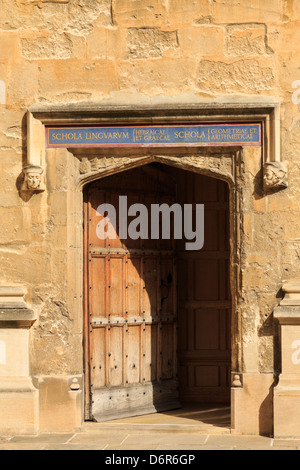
[{"x": 155, "y": 135}]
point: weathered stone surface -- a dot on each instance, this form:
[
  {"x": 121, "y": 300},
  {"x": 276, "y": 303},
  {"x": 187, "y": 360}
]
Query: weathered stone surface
[
  {"x": 189, "y": 11},
  {"x": 244, "y": 76},
  {"x": 77, "y": 81},
  {"x": 141, "y": 13},
  {"x": 256, "y": 11},
  {"x": 150, "y": 42},
  {"x": 153, "y": 76},
  {"x": 51, "y": 47},
  {"x": 199, "y": 41},
  {"x": 292, "y": 9},
  {"x": 75, "y": 17},
  {"x": 246, "y": 40},
  {"x": 23, "y": 84}
]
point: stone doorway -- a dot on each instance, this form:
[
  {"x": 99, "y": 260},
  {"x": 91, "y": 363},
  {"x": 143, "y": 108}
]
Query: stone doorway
[{"x": 174, "y": 349}]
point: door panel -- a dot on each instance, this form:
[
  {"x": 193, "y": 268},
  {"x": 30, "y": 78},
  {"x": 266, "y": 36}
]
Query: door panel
[
  {"x": 204, "y": 296},
  {"x": 132, "y": 304}
]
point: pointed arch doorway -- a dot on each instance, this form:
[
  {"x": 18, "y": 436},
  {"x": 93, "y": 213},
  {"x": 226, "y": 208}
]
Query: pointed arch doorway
[{"x": 158, "y": 316}]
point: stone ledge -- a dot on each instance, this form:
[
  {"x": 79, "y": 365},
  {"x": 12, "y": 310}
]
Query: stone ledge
[
  {"x": 11, "y": 317},
  {"x": 287, "y": 315},
  {"x": 16, "y": 385}
]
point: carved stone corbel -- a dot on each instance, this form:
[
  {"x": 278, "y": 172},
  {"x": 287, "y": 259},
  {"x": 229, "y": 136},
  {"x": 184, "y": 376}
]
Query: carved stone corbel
[
  {"x": 33, "y": 178},
  {"x": 275, "y": 176}
]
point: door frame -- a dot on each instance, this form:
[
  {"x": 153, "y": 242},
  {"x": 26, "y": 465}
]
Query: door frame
[
  {"x": 233, "y": 222},
  {"x": 241, "y": 167}
]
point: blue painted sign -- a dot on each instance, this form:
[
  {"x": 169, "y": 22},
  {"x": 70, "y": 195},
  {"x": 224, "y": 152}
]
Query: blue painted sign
[{"x": 155, "y": 136}]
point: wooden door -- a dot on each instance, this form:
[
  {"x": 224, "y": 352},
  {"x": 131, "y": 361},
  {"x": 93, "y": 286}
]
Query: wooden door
[
  {"x": 205, "y": 306},
  {"x": 131, "y": 305}
]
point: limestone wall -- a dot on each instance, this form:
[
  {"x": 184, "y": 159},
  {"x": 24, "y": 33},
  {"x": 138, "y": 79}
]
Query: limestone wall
[{"x": 142, "y": 52}]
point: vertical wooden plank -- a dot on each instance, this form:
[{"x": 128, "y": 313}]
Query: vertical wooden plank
[
  {"x": 116, "y": 356},
  {"x": 98, "y": 369},
  {"x": 149, "y": 295},
  {"x": 116, "y": 286},
  {"x": 151, "y": 352},
  {"x": 98, "y": 283},
  {"x": 133, "y": 286},
  {"x": 167, "y": 351},
  {"x": 132, "y": 358}
]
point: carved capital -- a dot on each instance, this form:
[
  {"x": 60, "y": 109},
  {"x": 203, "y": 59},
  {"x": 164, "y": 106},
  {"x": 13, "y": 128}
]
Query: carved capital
[
  {"x": 275, "y": 176},
  {"x": 33, "y": 178}
]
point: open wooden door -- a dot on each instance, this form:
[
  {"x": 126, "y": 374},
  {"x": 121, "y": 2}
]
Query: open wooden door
[{"x": 131, "y": 305}]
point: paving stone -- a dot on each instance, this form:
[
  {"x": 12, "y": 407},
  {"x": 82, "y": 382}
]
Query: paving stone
[
  {"x": 27, "y": 446},
  {"x": 43, "y": 438},
  {"x": 99, "y": 440},
  {"x": 136, "y": 441},
  {"x": 75, "y": 447},
  {"x": 286, "y": 443},
  {"x": 164, "y": 439},
  {"x": 131, "y": 447},
  {"x": 241, "y": 442}
]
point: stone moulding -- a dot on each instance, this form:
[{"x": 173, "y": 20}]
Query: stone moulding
[
  {"x": 287, "y": 391},
  {"x": 219, "y": 165},
  {"x": 14, "y": 311},
  {"x": 19, "y": 399},
  {"x": 292, "y": 294},
  {"x": 261, "y": 109}
]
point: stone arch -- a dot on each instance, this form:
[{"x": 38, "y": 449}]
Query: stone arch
[{"x": 220, "y": 166}]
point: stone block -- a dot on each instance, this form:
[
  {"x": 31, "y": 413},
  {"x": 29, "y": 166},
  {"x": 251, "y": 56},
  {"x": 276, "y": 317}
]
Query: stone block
[
  {"x": 15, "y": 348},
  {"x": 52, "y": 46},
  {"x": 292, "y": 9},
  {"x": 97, "y": 44},
  {"x": 188, "y": 11},
  {"x": 287, "y": 392},
  {"x": 9, "y": 46},
  {"x": 252, "y": 405},
  {"x": 246, "y": 40},
  {"x": 3, "y": 84},
  {"x": 116, "y": 43},
  {"x": 153, "y": 77},
  {"x": 254, "y": 11},
  {"x": 139, "y": 13},
  {"x": 198, "y": 41},
  {"x": 76, "y": 81},
  {"x": 23, "y": 84},
  {"x": 19, "y": 407},
  {"x": 76, "y": 18},
  {"x": 61, "y": 407},
  {"x": 145, "y": 43},
  {"x": 287, "y": 411},
  {"x": 244, "y": 76}
]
